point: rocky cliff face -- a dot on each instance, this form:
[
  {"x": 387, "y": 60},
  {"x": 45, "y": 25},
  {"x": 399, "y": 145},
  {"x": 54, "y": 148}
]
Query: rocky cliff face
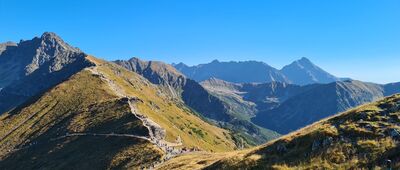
[{"x": 30, "y": 67}]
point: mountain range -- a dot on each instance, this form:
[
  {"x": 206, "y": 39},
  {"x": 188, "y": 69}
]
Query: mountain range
[
  {"x": 283, "y": 107},
  {"x": 300, "y": 72},
  {"x": 61, "y": 108}
]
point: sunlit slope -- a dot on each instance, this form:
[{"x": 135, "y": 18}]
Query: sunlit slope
[
  {"x": 86, "y": 122},
  {"x": 34, "y": 136},
  {"x": 363, "y": 137},
  {"x": 170, "y": 114}
]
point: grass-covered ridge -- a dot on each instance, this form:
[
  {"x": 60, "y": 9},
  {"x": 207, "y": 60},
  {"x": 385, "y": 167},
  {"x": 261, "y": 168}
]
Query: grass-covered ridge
[
  {"x": 363, "y": 137},
  {"x": 34, "y": 136}
]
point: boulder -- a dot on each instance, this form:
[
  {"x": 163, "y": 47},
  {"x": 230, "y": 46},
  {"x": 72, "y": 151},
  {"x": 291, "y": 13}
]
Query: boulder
[
  {"x": 394, "y": 133},
  {"x": 327, "y": 142},
  {"x": 281, "y": 148},
  {"x": 316, "y": 144}
]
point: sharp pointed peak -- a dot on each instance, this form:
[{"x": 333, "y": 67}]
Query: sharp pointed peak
[
  {"x": 52, "y": 39},
  {"x": 46, "y": 35},
  {"x": 304, "y": 60},
  {"x": 134, "y": 59},
  {"x": 215, "y": 61},
  {"x": 179, "y": 64}
]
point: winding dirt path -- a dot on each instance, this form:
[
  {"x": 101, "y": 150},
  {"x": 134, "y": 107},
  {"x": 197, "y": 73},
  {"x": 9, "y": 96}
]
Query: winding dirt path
[{"x": 156, "y": 133}]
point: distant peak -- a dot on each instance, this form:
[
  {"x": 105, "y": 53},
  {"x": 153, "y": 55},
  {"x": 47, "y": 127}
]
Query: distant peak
[
  {"x": 215, "y": 61},
  {"x": 304, "y": 60},
  {"x": 134, "y": 59},
  {"x": 180, "y": 64}
]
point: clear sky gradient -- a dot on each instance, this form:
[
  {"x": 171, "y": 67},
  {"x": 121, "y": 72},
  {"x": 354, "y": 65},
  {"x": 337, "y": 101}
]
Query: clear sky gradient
[{"x": 349, "y": 38}]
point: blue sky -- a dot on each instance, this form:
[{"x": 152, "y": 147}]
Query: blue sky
[{"x": 349, "y": 38}]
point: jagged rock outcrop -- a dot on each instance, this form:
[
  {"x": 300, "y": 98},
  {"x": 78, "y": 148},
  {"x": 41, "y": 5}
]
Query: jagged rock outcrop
[{"x": 30, "y": 67}]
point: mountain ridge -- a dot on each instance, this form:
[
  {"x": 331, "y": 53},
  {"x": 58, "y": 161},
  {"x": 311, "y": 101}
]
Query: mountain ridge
[
  {"x": 31, "y": 67},
  {"x": 300, "y": 72},
  {"x": 243, "y": 69}
]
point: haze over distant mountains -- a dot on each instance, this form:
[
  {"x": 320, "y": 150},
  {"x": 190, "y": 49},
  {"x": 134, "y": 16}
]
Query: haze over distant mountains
[{"x": 301, "y": 72}]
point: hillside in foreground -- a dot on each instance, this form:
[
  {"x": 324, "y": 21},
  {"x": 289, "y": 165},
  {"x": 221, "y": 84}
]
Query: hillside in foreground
[{"x": 363, "y": 137}]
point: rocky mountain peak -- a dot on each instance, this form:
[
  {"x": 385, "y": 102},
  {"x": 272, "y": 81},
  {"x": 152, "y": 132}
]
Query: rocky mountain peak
[
  {"x": 52, "y": 40},
  {"x": 304, "y": 60},
  {"x": 303, "y": 63},
  {"x": 303, "y": 72},
  {"x": 32, "y": 66},
  {"x": 215, "y": 61}
]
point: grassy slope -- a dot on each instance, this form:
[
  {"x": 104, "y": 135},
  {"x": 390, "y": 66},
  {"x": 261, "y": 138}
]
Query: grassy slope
[
  {"x": 82, "y": 104},
  {"x": 86, "y": 104},
  {"x": 354, "y": 144},
  {"x": 176, "y": 118}
]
